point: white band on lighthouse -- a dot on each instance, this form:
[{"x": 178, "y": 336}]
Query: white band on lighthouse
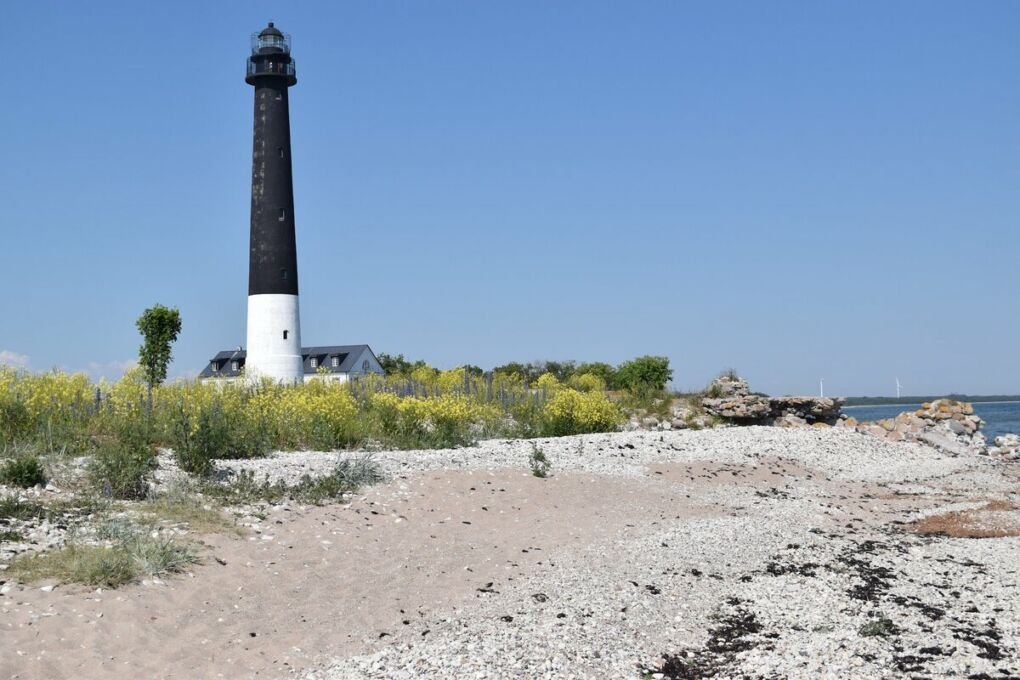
[{"x": 274, "y": 339}]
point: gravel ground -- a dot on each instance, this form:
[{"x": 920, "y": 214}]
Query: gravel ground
[
  {"x": 804, "y": 571},
  {"x": 728, "y": 553}
]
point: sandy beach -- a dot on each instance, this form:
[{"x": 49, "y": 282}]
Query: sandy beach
[{"x": 736, "y": 552}]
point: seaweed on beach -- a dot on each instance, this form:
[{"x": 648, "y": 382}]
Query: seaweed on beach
[{"x": 735, "y": 633}]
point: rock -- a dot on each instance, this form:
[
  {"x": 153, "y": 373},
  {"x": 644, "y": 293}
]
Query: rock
[
  {"x": 811, "y": 409},
  {"x": 789, "y": 420},
  {"x": 1011, "y": 441},
  {"x": 747, "y": 408}
]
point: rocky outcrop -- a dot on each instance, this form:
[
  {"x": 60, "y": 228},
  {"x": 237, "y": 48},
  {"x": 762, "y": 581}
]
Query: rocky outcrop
[
  {"x": 729, "y": 398},
  {"x": 946, "y": 424}
]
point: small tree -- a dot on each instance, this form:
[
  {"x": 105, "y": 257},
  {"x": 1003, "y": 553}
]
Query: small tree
[
  {"x": 159, "y": 327},
  {"x": 644, "y": 374}
]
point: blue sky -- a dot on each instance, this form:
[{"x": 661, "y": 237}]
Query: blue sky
[{"x": 795, "y": 190}]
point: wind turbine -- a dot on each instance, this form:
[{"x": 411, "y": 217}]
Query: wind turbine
[
  {"x": 821, "y": 388},
  {"x": 898, "y": 388}
]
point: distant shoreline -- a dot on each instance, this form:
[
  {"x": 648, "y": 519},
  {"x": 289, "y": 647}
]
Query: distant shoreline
[{"x": 893, "y": 401}]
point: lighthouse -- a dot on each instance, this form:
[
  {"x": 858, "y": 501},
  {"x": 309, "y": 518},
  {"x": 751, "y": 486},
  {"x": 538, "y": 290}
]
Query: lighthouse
[{"x": 274, "y": 323}]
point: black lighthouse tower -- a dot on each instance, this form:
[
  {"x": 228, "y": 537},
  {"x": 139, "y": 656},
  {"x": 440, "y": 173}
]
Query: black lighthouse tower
[{"x": 274, "y": 333}]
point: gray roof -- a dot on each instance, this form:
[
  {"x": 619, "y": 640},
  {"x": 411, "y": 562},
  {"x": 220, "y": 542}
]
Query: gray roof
[{"x": 222, "y": 365}]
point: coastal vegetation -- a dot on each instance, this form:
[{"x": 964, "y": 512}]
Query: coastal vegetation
[
  {"x": 121, "y": 424},
  {"x": 93, "y": 457}
]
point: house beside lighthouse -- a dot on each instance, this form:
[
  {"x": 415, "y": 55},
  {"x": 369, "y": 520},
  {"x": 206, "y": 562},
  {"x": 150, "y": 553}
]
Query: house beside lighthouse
[{"x": 274, "y": 348}]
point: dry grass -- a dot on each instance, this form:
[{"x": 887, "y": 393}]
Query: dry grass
[
  {"x": 985, "y": 522},
  {"x": 196, "y": 515}
]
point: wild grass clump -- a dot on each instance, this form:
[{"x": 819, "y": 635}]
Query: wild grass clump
[
  {"x": 881, "y": 627},
  {"x": 347, "y": 477},
  {"x": 11, "y": 537},
  {"x": 24, "y": 471},
  {"x": 86, "y": 564},
  {"x": 180, "y": 506},
  {"x": 133, "y": 553},
  {"x": 12, "y": 507}
]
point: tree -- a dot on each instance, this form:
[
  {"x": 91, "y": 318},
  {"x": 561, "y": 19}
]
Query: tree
[
  {"x": 473, "y": 371},
  {"x": 513, "y": 368},
  {"x": 394, "y": 365},
  {"x": 601, "y": 370},
  {"x": 644, "y": 374},
  {"x": 159, "y": 327}
]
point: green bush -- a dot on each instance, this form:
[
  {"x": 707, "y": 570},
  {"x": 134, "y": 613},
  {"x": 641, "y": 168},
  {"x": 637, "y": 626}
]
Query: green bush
[
  {"x": 15, "y": 422},
  {"x": 644, "y": 374},
  {"x": 123, "y": 464},
  {"x": 23, "y": 471}
]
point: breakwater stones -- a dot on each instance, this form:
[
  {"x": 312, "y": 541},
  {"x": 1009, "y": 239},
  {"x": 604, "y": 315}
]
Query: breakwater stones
[
  {"x": 946, "y": 424},
  {"x": 1006, "y": 446}
]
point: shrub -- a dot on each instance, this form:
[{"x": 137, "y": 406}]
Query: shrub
[
  {"x": 587, "y": 382},
  {"x": 14, "y": 420},
  {"x": 23, "y": 471},
  {"x": 572, "y": 412},
  {"x": 539, "y": 463},
  {"x": 547, "y": 381},
  {"x": 122, "y": 465},
  {"x": 647, "y": 373}
]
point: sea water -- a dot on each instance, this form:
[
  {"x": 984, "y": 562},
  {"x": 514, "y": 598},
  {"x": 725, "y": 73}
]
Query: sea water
[{"x": 1000, "y": 417}]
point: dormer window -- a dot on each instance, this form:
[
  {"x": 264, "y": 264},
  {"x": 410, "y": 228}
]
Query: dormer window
[
  {"x": 314, "y": 362},
  {"x": 234, "y": 366},
  {"x": 336, "y": 362},
  {"x": 215, "y": 366}
]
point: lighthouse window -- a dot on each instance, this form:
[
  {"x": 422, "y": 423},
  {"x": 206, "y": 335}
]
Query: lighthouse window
[
  {"x": 280, "y": 150},
  {"x": 283, "y": 214},
  {"x": 285, "y": 335},
  {"x": 283, "y": 274}
]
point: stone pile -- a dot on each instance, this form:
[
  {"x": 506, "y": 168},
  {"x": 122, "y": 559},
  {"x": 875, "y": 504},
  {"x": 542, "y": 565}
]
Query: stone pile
[
  {"x": 1006, "y": 446},
  {"x": 946, "y": 424}
]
